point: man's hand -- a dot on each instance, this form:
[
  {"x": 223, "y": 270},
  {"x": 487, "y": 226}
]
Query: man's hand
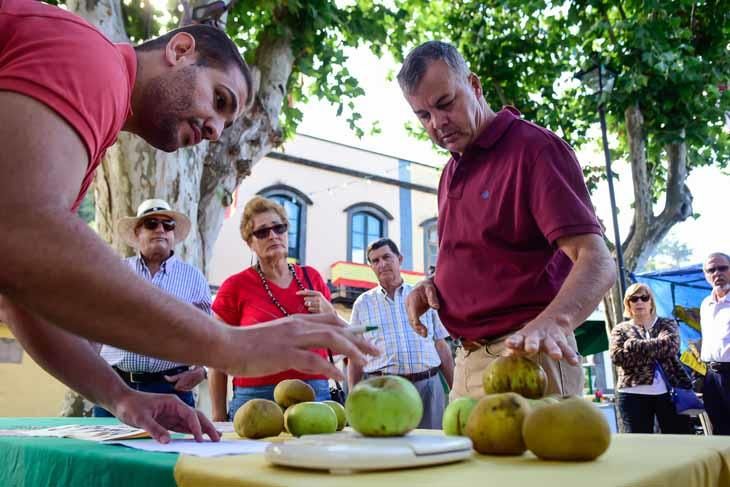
[
  {"x": 186, "y": 381},
  {"x": 542, "y": 335},
  {"x": 287, "y": 343},
  {"x": 158, "y": 413},
  {"x": 421, "y": 299},
  {"x": 316, "y": 302}
]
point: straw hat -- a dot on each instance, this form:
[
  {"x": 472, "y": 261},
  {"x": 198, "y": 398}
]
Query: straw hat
[{"x": 148, "y": 208}]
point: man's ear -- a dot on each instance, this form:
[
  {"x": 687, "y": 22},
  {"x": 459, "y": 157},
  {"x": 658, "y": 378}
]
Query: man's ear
[
  {"x": 400, "y": 259},
  {"x": 180, "y": 48},
  {"x": 476, "y": 85}
]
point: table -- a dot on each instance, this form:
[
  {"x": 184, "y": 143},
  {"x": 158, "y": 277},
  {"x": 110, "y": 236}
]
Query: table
[
  {"x": 635, "y": 460},
  {"x": 63, "y": 462}
]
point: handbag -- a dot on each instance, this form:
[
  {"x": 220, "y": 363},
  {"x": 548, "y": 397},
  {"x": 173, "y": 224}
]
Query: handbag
[
  {"x": 685, "y": 401},
  {"x": 336, "y": 392}
]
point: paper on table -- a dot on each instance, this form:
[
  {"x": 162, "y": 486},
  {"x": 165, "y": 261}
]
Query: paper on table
[
  {"x": 203, "y": 449},
  {"x": 96, "y": 432}
]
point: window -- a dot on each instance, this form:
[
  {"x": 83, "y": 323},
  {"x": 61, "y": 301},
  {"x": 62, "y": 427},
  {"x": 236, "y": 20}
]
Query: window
[
  {"x": 366, "y": 229},
  {"x": 430, "y": 244},
  {"x": 295, "y": 203},
  {"x": 366, "y": 223}
]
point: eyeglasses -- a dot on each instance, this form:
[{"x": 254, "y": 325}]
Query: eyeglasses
[
  {"x": 153, "y": 223},
  {"x": 263, "y": 233},
  {"x": 635, "y": 299},
  {"x": 720, "y": 268}
]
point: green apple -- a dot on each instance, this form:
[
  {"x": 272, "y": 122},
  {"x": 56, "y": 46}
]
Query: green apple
[
  {"x": 310, "y": 418},
  {"x": 456, "y": 416},
  {"x": 339, "y": 410},
  {"x": 384, "y": 406},
  {"x": 515, "y": 374}
]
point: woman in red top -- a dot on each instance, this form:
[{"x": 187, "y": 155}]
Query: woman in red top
[{"x": 270, "y": 289}]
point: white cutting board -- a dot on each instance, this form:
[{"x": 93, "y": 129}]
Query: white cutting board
[{"x": 347, "y": 451}]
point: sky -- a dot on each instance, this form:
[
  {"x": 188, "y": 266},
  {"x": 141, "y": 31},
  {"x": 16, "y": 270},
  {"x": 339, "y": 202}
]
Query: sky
[{"x": 383, "y": 102}]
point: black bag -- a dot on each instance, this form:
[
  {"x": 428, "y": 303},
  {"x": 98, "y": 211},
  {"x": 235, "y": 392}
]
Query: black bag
[{"x": 336, "y": 392}]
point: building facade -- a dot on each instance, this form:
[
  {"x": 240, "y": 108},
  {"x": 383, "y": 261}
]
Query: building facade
[{"x": 339, "y": 199}]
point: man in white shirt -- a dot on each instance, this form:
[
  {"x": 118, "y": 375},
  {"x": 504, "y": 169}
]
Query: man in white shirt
[
  {"x": 154, "y": 232},
  {"x": 403, "y": 352},
  {"x": 715, "y": 321}
]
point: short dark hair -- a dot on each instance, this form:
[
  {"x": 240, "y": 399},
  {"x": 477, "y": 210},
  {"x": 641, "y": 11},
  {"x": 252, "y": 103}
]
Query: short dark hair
[
  {"x": 215, "y": 48},
  {"x": 382, "y": 242},
  {"x": 418, "y": 60},
  {"x": 719, "y": 254}
]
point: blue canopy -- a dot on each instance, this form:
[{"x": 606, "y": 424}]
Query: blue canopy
[{"x": 685, "y": 287}]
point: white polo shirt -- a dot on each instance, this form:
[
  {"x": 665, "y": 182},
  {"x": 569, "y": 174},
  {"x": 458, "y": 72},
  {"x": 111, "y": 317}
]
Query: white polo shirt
[{"x": 715, "y": 321}]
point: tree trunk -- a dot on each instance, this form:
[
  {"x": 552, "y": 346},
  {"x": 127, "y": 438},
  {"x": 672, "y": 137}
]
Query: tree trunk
[
  {"x": 648, "y": 229},
  {"x": 196, "y": 181}
]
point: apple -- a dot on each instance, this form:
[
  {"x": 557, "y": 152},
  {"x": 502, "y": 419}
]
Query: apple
[
  {"x": 339, "y": 410},
  {"x": 456, "y": 415},
  {"x": 258, "y": 418},
  {"x": 495, "y": 424},
  {"x": 384, "y": 406},
  {"x": 515, "y": 374},
  {"x": 310, "y": 418}
]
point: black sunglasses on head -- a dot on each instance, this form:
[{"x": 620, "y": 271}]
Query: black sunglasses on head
[
  {"x": 635, "y": 299},
  {"x": 263, "y": 233},
  {"x": 152, "y": 224},
  {"x": 719, "y": 268}
]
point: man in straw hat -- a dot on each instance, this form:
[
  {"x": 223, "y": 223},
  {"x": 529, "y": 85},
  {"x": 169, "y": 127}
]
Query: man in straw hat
[
  {"x": 154, "y": 232},
  {"x": 60, "y": 285}
]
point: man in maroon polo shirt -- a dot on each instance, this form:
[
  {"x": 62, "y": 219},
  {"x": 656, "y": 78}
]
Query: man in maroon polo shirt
[{"x": 521, "y": 259}]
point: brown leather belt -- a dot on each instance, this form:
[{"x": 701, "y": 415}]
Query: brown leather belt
[
  {"x": 418, "y": 376},
  {"x": 473, "y": 345}
]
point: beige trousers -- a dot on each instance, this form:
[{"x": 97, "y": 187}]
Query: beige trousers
[{"x": 563, "y": 378}]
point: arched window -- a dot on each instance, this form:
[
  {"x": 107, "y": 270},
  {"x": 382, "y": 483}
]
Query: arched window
[
  {"x": 295, "y": 203},
  {"x": 367, "y": 222},
  {"x": 430, "y": 244}
]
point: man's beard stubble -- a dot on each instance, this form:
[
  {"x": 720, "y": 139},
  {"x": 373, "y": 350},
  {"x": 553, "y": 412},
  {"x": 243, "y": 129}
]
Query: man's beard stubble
[{"x": 166, "y": 101}]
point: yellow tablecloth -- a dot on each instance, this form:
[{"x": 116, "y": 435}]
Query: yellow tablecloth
[{"x": 632, "y": 460}]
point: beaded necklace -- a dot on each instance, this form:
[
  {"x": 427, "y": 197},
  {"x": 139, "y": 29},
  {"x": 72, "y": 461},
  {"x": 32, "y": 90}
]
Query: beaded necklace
[{"x": 268, "y": 289}]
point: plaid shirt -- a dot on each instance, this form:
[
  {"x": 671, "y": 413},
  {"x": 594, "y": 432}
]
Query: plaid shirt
[
  {"x": 177, "y": 278},
  {"x": 402, "y": 350}
]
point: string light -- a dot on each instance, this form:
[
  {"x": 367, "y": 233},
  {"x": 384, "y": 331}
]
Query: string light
[{"x": 332, "y": 189}]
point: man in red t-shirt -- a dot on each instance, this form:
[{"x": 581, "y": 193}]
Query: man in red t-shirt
[
  {"x": 521, "y": 258},
  {"x": 65, "y": 93}
]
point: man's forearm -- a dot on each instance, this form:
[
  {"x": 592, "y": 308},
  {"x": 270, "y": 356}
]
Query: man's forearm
[
  {"x": 447, "y": 361},
  {"x": 88, "y": 374},
  {"x": 218, "y": 383},
  {"x": 592, "y": 275},
  {"x": 65, "y": 274},
  {"x": 354, "y": 375}
]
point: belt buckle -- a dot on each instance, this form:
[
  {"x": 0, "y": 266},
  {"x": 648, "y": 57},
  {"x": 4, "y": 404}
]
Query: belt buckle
[{"x": 133, "y": 380}]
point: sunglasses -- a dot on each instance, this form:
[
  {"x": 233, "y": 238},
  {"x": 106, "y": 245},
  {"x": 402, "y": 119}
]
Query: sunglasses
[
  {"x": 720, "y": 268},
  {"x": 263, "y": 233},
  {"x": 635, "y": 299},
  {"x": 152, "y": 224}
]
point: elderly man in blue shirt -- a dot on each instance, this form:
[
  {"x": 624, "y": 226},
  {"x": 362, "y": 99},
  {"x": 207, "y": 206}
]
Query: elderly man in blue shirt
[
  {"x": 154, "y": 232},
  {"x": 403, "y": 352}
]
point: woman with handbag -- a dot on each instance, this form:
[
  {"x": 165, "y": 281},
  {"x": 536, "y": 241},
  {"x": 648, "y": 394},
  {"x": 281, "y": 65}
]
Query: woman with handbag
[
  {"x": 272, "y": 288},
  {"x": 645, "y": 350}
]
